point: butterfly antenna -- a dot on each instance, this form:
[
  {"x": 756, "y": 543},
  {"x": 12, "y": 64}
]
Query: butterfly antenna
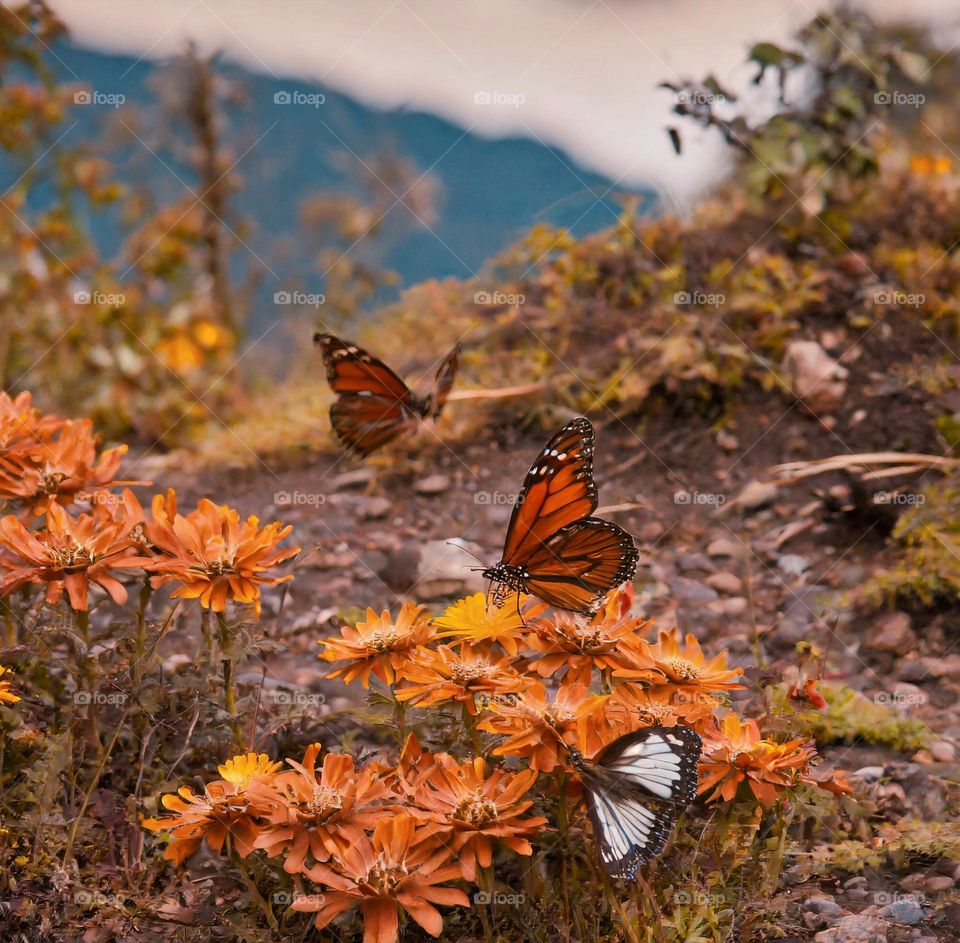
[{"x": 460, "y": 546}]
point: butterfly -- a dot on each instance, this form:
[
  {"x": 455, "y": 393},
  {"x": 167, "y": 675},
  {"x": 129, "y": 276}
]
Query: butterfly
[
  {"x": 553, "y": 548},
  {"x": 373, "y": 405},
  {"x": 635, "y": 789}
]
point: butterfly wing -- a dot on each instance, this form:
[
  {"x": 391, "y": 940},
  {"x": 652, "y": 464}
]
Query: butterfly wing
[
  {"x": 656, "y": 762},
  {"x": 443, "y": 383},
  {"x": 373, "y": 404},
  {"x": 576, "y": 567},
  {"x": 558, "y": 490}
]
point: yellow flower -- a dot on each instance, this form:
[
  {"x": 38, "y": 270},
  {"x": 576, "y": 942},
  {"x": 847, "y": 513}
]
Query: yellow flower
[
  {"x": 471, "y": 620},
  {"x": 210, "y": 335},
  {"x": 6, "y": 695},
  {"x": 242, "y": 769}
]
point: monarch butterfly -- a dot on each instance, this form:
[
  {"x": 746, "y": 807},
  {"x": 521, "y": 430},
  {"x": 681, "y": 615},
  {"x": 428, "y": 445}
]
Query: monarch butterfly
[
  {"x": 553, "y": 548},
  {"x": 635, "y": 789},
  {"x": 373, "y": 405}
]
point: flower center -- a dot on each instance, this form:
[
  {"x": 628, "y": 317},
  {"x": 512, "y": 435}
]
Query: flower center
[
  {"x": 324, "y": 803},
  {"x": 477, "y": 810},
  {"x": 71, "y": 559},
  {"x": 463, "y": 674},
  {"x": 681, "y": 668},
  {"x": 382, "y": 641},
  {"x": 385, "y": 879}
]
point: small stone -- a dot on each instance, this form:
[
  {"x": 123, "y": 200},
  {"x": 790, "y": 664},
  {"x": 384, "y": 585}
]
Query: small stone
[
  {"x": 857, "y": 881},
  {"x": 353, "y": 479},
  {"x": 855, "y": 928},
  {"x": 891, "y": 633},
  {"x": 433, "y": 485},
  {"x": 943, "y": 751},
  {"x": 374, "y": 509},
  {"x": 725, "y": 582},
  {"x": 756, "y": 495},
  {"x": 869, "y": 774},
  {"x": 907, "y": 911},
  {"x": 734, "y": 606},
  {"x": 938, "y": 884},
  {"x": 792, "y": 564},
  {"x": 727, "y": 442},
  {"x": 815, "y": 377},
  {"x": 822, "y": 904},
  {"x": 913, "y": 882},
  {"x": 721, "y": 547}
]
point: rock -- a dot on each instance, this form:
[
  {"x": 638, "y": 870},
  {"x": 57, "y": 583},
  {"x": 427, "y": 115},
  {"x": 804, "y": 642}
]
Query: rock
[
  {"x": 814, "y": 376},
  {"x": 401, "y": 568},
  {"x": 792, "y": 565},
  {"x": 869, "y": 774},
  {"x": 855, "y": 928},
  {"x": 822, "y": 904},
  {"x": 891, "y": 633},
  {"x": 721, "y": 547},
  {"x": 913, "y": 882},
  {"x": 756, "y": 495},
  {"x": 728, "y": 442},
  {"x": 857, "y": 881},
  {"x": 734, "y": 606},
  {"x": 906, "y": 910},
  {"x": 725, "y": 582},
  {"x": 353, "y": 479},
  {"x": 943, "y": 751},
  {"x": 691, "y": 591},
  {"x": 445, "y": 569},
  {"x": 374, "y": 509},
  {"x": 803, "y": 608},
  {"x": 928, "y": 668},
  {"x": 938, "y": 884},
  {"x": 432, "y": 485}
]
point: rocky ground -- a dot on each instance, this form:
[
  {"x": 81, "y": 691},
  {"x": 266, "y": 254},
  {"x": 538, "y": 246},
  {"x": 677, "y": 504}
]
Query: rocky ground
[{"x": 726, "y": 553}]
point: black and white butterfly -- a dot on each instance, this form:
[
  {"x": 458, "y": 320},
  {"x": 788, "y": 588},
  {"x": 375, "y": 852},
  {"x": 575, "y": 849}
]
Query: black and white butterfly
[{"x": 635, "y": 789}]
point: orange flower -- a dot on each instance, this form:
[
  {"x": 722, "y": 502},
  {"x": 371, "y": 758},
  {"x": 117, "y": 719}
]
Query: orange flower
[
  {"x": 663, "y": 705},
  {"x": 738, "y": 754},
  {"x": 70, "y": 553},
  {"x": 471, "y": 620},
  {"x": 534, "y": 727},
  {"x": 378, "y": 646},
  {"x": 21, "y": 425},
  {"x": 470, "y": 810},
  {"x": 221, "y": 812},
  {"x": 395, "y": 868},
  {"x": 448, "y": 674},
  {"x": 683, "y": 663},
  {"x": 610, "y": 640},
  {"x": 6, "y": 695},
  {"x": 316, "y": 812},
  {"x": 56, "y": 469},
  {"x": 213, "y": 555}
]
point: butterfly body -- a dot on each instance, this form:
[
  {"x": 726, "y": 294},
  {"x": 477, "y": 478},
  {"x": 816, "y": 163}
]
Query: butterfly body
[
  {"x": 554, "y": 549},
  {"x": 373, "y": 405},
  {"x": 635, "y": 788}
]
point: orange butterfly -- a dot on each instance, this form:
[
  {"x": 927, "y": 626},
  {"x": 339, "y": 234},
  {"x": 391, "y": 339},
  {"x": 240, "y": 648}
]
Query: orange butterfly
[
  {"x": 554, "y": 549},
  {"x": 373, "y": 405}
]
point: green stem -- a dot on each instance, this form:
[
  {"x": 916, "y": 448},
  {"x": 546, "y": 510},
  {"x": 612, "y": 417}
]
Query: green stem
[
  {"x": 88, "y": 679},
  {"x": 229, "y": 693},
  {"x": 470, "y": 722},
  {"x": 254, "y": 892}
]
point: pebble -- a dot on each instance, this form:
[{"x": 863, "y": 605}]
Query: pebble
[
  {"x": 855, "y": 928},
  {"x": 433, "y": 485},
  {"x": 938, "y": 884},
  {"x": 727, "y": 442},
  {"x": 906, "y": 910},
  {"x": 792, "y": 564},
  {"x": 353, "y": 479},
  {"x": 725, "y": 582},
  {"x": 943, "y": 751},
  {"x": 822, "y": 904},
  {"x": 734, "y": 606},
  {"x": 756, "y": 494},
  {"x": 869, "y": 774},
  {"x": 651, "y": 532},
  {"x": 891, "y": 633},
  {"x": 721, "y": 547}
]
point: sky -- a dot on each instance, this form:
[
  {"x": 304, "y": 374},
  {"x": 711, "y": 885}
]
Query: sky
[{"x": 574, "y": 74}]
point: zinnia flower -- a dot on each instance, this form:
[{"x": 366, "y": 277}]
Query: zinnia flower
[
  {"x": 447, "y": 674},
  {"x": 212, "y": 555},
  {"x": 222, "y": 811},
  {"x": 57, "y": 468},
  {"x": 610, "y": 640},
  {"x": 663, "y": 705},
  {"x": 471, "y": 811},
  {"x": 70, "y": 553},
  {"x": 317, "y": 812},
  {"x": 393, "y": 869},
  {"x": 683, "y": 663},
  {"x": 21, "y": 425},
  {"x": 534, "y": 727},
  {"x": 738, "y": 754},
  {"x": 377, "y": 646},
  {"x": 471, "y": 620},
  {"x": 6, "y": 695}
]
